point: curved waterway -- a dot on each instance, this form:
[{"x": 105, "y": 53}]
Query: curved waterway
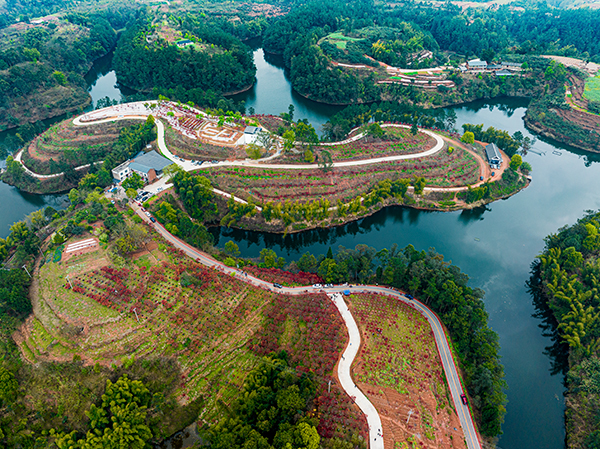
[
  {"x": 14, "y": 204},
  {"x": 494, "y": 245}
]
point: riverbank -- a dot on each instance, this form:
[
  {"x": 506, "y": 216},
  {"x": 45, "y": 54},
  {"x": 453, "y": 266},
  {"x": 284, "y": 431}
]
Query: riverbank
[{"x": 431, "y": 201}]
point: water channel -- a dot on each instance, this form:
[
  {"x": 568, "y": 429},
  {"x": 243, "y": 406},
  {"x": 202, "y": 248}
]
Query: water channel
[{"x": 494, "y": 245}]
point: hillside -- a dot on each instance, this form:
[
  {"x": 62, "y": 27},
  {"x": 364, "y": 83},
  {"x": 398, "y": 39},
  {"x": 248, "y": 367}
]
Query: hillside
[{"x": 565, "y": 283}]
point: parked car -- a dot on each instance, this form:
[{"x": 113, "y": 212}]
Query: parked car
[
  {"x": 328, "y": 286},
  {"x": 148, "y": 214},
  {"x": 317, "y": 286},
  {"x": 463, "y": 398},
  {"x": 411, "y": 297},
  {"x": 277, "y": 285},
  {"x": 153, "y": 220},
  {"x": 481, "y": 178}
]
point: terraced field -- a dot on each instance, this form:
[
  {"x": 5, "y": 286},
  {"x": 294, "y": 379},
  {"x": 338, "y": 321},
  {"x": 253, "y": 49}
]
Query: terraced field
[
  {"x": 262, "y": 185},
  {"x": 162, "y": 304},
  {"x": 75, "y": 145}
]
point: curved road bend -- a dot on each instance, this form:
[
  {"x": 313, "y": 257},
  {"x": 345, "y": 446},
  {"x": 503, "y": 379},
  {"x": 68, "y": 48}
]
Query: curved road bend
[{"x": 441, "y": 340}]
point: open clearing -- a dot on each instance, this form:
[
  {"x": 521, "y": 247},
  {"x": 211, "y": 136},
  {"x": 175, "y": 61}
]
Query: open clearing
[{"x": 592, "y": 88}]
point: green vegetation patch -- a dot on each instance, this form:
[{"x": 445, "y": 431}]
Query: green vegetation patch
[
  {"x": 592, "y": 88},
  {"x": 339, "y": 40}
]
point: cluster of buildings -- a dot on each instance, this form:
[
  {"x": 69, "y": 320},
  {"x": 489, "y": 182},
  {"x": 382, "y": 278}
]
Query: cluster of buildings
[
  {"x": 504, "y": 68},
  {"x": 148, "y": 165}
]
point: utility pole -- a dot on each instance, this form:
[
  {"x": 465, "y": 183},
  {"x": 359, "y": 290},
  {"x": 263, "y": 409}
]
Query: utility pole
[
  {"x": 136, "y": 315},
  {"x": 69, "y": 280},
  {"x": 410, "y": 412},
  {"x": 329, "y": 387},
  {"x": 27, "y": 271}
]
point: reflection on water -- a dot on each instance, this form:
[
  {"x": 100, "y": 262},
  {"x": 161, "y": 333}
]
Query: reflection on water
[{"x": 273, "y": 93}]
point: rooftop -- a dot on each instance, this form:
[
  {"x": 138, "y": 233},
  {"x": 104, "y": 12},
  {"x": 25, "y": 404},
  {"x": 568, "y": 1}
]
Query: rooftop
[
  {"x": 492, "y": 152},
  {"x": 151, "y": 160}
]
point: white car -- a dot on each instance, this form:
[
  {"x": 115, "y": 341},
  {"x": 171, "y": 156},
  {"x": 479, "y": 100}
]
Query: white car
[
  {"x": 148, "y": 214},
  {"x": 317, "y": 286}
]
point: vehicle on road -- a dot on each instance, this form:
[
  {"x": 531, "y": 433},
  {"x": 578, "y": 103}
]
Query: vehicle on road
[
  {"x": 317, "y": 286},
  {"x": 148, "y": 214},
  {"x": 347, "y": 292},
  {"x": 463, "y": 398},
  {"x": 153, "y": 220},
  {"x": 112, "y": 201},
  {"x": 411, "y": 297},
  {"x": 277, "y": 285},
  {"x": 328, "y": 286},
  {"x": 481, "y": 178}
]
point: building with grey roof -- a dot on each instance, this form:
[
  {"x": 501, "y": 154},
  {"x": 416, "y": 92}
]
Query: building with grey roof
[
  {"x": 148, "y": 165},
  {"x": 494, "y": 156}
]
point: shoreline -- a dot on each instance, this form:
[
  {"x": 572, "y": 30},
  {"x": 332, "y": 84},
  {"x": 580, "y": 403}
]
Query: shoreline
[{"x": 335, "y": 224}]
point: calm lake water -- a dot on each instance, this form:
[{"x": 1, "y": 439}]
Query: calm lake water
[{"x": 494, "y": 245}]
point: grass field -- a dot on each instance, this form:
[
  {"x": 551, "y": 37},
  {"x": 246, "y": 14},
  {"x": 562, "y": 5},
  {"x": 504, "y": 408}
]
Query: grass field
[
  {"x": 592, "y": 89},
  {"x": 339, "y": 40}
]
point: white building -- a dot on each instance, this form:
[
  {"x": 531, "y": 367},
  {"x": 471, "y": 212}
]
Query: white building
[
  {"x": 250, "y": 135},
  {"x": 476, "y": 64},
  {"x": 121, "y": 172}
]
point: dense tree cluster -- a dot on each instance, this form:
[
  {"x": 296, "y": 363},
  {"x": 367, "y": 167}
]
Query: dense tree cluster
[
  {"x": 502, "y": 138},
  {"x": 271, "y": 412},
  {"x": 44, "y": 57},
  {"x": 226, "y": 64},
  {"x": 565, "y": 281},
  {"x": 354, "y": 116}
]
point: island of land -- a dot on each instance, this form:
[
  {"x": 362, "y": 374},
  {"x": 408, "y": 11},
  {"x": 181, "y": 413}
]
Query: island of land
[{"x": 267, "y": 182}]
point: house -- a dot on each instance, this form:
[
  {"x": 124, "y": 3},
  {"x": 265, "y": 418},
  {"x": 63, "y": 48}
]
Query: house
[
  {"x": 182, "y": 43},
  {"x": 494, "y": 67},
  {"x": 504, "y": 72},
  {"x": 476, "y": 64},
  {"x": 250, "y": 135},
  {"x": 148, "y": 165},
  {"x": 121, "y": 172},
  {"x": 510, "y": 65},
  {"x": 493, "y": 155}
]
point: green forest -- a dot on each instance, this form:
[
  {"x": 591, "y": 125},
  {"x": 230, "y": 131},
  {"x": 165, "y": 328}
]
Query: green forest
[
  {"x": 48, "y": 61},
  {"x": 142, "y": 66},
  {"x": 565, "y": 282}
]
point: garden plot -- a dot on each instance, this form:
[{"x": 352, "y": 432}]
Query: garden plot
[
  {"x": 399, "y": 370},
  {"x": 444, "y": 169},
  {"x": 183, "y": 146},
  {"x": 395, "y": 141},
  {"x": 219, "y": 135},
  {"x": 214, "y": 325}
]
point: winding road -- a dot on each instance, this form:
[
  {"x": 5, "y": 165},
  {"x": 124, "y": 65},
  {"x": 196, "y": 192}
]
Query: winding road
[
  {"x": 344, "y": 373},
  {"x": 139, "y": 111}
]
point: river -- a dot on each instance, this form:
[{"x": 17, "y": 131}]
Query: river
[{"x": 494, "y": 245}]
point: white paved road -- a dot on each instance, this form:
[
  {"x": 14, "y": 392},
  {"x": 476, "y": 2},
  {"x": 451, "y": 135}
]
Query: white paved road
[{"x": 441, "y": 339}]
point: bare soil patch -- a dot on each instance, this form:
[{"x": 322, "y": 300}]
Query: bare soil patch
[{"x": 399, "y": 370}]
